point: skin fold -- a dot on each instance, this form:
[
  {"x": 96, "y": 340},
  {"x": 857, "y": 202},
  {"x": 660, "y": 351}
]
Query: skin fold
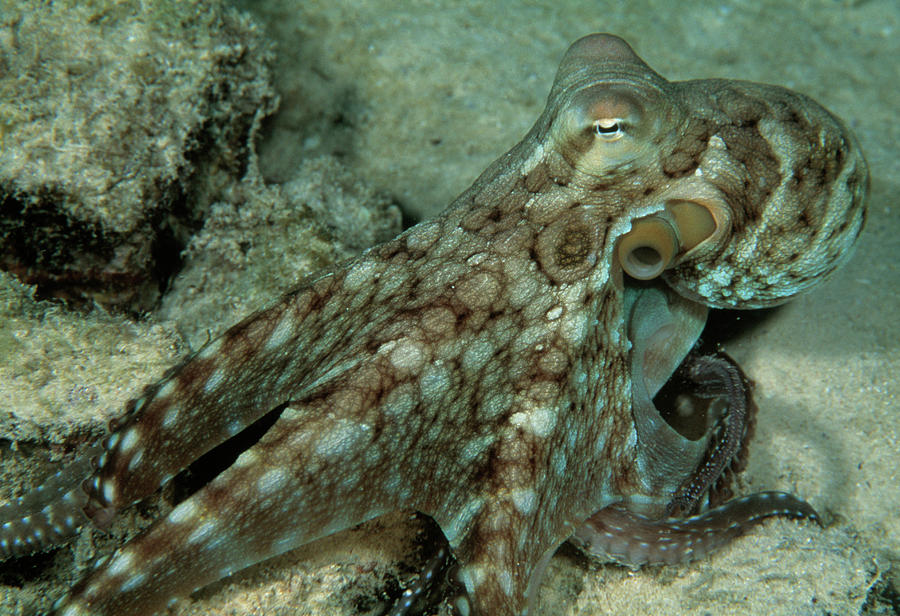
[{"x": 478, "y": 367}]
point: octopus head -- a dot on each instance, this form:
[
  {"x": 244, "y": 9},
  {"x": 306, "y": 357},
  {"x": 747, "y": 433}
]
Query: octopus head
[{"x": 739, "y": 195}]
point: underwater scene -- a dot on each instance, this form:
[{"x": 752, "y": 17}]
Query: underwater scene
[{"x": 428, "y": 309}]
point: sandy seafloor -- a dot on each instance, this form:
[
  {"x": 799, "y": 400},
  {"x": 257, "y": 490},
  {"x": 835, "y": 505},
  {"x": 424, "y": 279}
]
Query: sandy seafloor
[{"x": 417, "y": 101}]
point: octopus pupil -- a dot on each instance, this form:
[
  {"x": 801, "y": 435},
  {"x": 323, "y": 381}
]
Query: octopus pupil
[{"x": 612, "y": 129}]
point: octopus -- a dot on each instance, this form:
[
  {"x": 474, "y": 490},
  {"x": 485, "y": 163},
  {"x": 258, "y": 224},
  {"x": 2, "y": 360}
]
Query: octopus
[{"x": 495, "y": 368}]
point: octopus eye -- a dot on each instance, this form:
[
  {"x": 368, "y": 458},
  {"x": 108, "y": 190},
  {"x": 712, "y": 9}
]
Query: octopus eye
[
  {"x": 654, "y": 243},
  {"x": 602, "y": 128},
  {"x": 608, "y": 129}
]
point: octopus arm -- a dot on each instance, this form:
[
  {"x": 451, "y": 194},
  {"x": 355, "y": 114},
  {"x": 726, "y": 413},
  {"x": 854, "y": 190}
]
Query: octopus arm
[
  {"x": 48, "y": 515},
  {"x": 278, "y": 494},
  {"x": 631, "y": 539}
]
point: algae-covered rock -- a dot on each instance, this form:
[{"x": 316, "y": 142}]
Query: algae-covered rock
[
  {"x": 64, "y": 374},
  {"x": 263, "y": 239},
  {"x": 117, "y": 119}
]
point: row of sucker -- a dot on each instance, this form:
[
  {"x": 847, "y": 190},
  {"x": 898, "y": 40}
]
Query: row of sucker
[
  {"x": 48, "y": 515},
  {"x": 630, "y": 539}
]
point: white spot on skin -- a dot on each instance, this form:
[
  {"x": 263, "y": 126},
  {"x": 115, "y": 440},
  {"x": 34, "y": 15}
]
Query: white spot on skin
[
  {"x": 460, "y": 522},
  {"x": 476, "y": 259},
  {"x": 121, "y": 563},
  {"x": 600, "y": 443},
  {"x": 171, "y": 417},
  {"x": 528, "y": 338},
  {"x": 167, "y": 389},
  {"x": 129, "y": 440},
  {"x": 525, "y": 500},
  {"x": 183, "y": 512},
  {"x": 423, "y": 236},
  {"x": 215, "y": 379},
  {"x": 109, "y": 491},
  {"x": 113, "y": 440},
  {"x": 573, "y": 328},
  {"x": 496, "y": 404},
  {"x": 631, "y": 443},
  {"x": 477, "y": 353},
  {"x": 248, "y": 458},
  {"x": 286, "y": 542},
  {"x": 340, "y": 440},
  {"x": 522, "y": 290},
  {"x": 539, "y": 421},
  {"x": 135, "y": 460},
  {"x": 504, "y": 579},
  {"x": 472, "y": 577},
  {"x": 359, "y": 276},
  {"x": 400, "y": 402},
  {"x": 210, "y": 350},
  {"x": 554, "y": 313},
  {"x": 282, "y": 332},
  {"x": 387, "y": 286},
  {"x": 408, "y": 356},
  {"x": 393, "y": 484},
  {"x": 474, "y": 447},
  {"x": 559, "y": 461},
  {"x": 462, "y": 606},
  {"x": 435, "y": 381},
  {"x": 133, "y": 582},
  {"x": 272, "y": 482},
  {"x": 203, "y": 532}
]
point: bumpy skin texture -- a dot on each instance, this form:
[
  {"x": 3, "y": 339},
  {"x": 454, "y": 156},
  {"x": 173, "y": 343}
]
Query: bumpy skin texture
[{"x": 476, "y": 368}]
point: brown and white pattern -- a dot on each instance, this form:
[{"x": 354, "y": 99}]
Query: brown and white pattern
[{"x": 479, "y": 367}]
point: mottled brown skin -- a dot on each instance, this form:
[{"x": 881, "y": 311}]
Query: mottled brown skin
[{"x": 476, "y": 368}]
